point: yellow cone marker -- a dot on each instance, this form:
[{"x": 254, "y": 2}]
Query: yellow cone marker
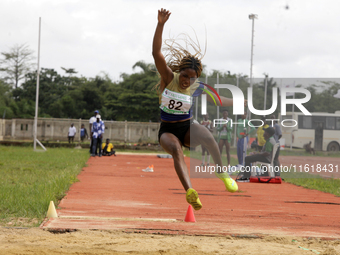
[{"x": 51, "y": 213}]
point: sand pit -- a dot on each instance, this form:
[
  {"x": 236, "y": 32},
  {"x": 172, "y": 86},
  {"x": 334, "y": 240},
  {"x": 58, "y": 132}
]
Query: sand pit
[{"x": 37, "y": 241}]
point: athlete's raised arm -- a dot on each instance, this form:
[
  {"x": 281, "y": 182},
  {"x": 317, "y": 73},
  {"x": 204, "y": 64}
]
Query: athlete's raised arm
[{"x": 163, "y": 69}]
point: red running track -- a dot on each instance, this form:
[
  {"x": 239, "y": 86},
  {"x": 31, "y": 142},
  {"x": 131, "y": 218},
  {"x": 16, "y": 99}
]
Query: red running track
[{"x": 114, "y": 193}]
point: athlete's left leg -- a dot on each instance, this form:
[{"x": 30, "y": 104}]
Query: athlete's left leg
[{"x": 196, "y": 135}]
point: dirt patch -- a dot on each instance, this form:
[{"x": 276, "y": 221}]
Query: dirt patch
[{"x": 19, "y": 222}]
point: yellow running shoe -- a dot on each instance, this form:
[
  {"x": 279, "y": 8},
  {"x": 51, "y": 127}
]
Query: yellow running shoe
[
  {"x": 192, "y": 198},
  {"x": 229, "y": 183}
]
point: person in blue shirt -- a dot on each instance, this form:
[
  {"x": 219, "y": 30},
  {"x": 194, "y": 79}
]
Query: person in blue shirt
[
  {"x": 98, "y": 129},
  {"x": 83, "y": 133}
]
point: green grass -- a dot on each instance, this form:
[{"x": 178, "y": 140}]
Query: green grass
[
  {"x": 302, "y": 152},
  {"x": 312, "y": 181},
  {"x": 30, "y": 180}
]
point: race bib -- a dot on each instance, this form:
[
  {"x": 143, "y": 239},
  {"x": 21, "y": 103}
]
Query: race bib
[
  {"x": 224, "y": 132},
  {"x": 175, "y": 102}
]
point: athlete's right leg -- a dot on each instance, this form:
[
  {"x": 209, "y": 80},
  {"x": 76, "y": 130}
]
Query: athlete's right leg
[{"x": 171, "y": 144}]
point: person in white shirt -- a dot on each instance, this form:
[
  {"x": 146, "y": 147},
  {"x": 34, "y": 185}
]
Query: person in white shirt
[
  {"x": 92, "y": 119},
  {"x": 71, "y": 133}
]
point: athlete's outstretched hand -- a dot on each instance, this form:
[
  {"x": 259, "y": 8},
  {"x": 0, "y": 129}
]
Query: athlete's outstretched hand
[{"x": 163, "y": 16}]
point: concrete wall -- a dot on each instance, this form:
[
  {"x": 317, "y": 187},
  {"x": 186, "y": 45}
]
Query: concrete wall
[
  {"x": 1, "y": 129},
  {"x": 49, "y": 129}
]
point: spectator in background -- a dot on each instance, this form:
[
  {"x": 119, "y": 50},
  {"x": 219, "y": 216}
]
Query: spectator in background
[
  {"x": 241, "y": 132},
  {"x": 277, "y": 128},
  {"x": 71, "y": 133},
  {"x": 224, "y": 136},
  {"x": 206, "y": 123},
  {"x": 254, "y": 144},
  {"x": 108, "y": 148},
  {"x": 83, "y": 133},
  {"x": 92, "y": 119},
  {"x": 308, "y": 147},
  {"x": 98, "y": 129},
  {"x": 264, "y": 156},
  {"x": 260, "y": 131},
  {"x": 277, "y": 136}
]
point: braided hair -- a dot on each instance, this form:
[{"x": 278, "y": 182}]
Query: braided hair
[{"x": 178, "y": 57}]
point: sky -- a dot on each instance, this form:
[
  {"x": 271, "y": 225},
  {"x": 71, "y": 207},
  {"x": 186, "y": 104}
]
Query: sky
[{"x": 293, "y": 38}]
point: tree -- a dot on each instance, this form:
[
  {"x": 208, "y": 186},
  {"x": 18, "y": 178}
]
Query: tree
[
  {"x": 16, "y": 63},
  {"x": 133, "y": 98},
  {"x": 144, "y": 66},
  {"x": 322, "y": 97},
  {"x": 70, "y": 71},
  {"x": 5, "y": 100}
]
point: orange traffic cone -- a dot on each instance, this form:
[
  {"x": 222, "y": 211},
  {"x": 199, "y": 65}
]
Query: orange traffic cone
[{"x": 190, "y": 217}]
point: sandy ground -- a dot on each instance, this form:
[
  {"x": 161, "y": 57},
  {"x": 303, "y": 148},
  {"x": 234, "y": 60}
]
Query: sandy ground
[{"x": 37, "y": 241}]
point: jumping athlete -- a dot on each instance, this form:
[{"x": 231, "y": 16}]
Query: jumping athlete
[{"x": 177, "y": 90}]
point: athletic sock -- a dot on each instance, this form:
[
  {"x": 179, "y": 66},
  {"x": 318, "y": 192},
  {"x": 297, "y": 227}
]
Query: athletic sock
[
  {"x": 203, "y": 159},
  {"x": 208, "y": 159}
]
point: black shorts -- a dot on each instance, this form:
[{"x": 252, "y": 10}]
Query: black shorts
[{"x": 178, "y": 129}]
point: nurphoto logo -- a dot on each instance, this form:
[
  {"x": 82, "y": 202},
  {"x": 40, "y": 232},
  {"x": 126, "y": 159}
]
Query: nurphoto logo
[{"x": 238, "y": 104}]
